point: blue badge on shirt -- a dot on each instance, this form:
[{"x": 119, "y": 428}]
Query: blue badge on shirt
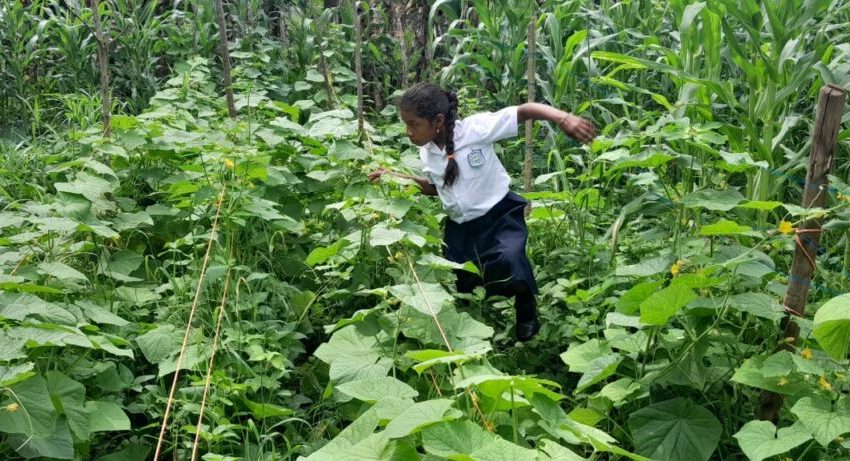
[{"x": 476, "y": 158}]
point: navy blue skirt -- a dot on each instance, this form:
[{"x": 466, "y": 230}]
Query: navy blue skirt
[{"x": 495, "y": 242}]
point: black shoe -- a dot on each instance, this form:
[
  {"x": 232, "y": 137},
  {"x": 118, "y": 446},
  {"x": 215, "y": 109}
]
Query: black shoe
[{"x": 527, "y": 330}]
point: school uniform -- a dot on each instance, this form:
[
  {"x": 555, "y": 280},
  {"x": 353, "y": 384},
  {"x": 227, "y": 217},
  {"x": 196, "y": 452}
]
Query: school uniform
[{"x": 486, "y": 222}]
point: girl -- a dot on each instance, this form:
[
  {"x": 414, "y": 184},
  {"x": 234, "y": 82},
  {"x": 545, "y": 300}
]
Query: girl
[{"x": 486, "y": 222}]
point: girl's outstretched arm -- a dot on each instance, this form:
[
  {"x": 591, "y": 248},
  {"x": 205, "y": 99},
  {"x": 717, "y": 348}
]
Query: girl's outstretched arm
[
  {"x": 573, "y": 125},
  {"x": 424, "y": 185}
]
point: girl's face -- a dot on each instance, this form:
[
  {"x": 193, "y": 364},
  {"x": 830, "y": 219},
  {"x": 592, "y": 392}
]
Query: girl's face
[{"x": 420, "y": 130}]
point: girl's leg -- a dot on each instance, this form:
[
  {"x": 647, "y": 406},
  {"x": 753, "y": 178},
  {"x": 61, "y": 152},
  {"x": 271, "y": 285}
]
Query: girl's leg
[{"x": 527, "y": 324}]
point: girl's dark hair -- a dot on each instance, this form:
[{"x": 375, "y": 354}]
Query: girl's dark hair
[{"x": 427, "y": 100}]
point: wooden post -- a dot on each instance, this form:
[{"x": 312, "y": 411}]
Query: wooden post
[
  {"x": 358, "y": 42},
  {"x": 103, "y": 64},
  {"x": 225, "y": 58},
  {"x": 824, "y": 136},
  {"x": 532, "y": 70}
]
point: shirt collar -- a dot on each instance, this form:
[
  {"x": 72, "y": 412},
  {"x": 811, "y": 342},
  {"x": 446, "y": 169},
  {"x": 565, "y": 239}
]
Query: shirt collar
[{"x": 434, "y": 149}]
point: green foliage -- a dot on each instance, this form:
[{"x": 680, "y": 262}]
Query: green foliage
[{"x": 656, "y": 248}]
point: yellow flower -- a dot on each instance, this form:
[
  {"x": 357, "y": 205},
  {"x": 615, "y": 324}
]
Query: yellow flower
[
  {"x": 806, "y": 353},
  {"x": 676, "y": 268},
  {"x": 782, "y": 381},
  {"x": 824, "y": 384},
  {"x": 12, "y": 407},
  {"x": 786, "y": 227},
  {"x": 228, "y": 163}
]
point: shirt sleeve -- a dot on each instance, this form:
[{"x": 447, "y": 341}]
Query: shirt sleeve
[{"x": 489, "y": 127}]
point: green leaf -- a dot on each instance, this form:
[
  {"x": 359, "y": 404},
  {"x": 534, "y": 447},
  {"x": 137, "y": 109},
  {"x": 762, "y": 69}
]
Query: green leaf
[
  {"x": 374, "y": 389},
  {"x": 557, "y": 452},
  {"x": 598, "y": 370},
  {"x": 455, "y": 438},
  {"x": 418, "y": 416},
  {"x": 57, "y": 445},
  {"x": 760, "y": 440},
  {"x": 657, "y": 265},
  {"x": 759, "y": 205},
  {"x": 61, "y": 271},
  {"x": 13, "y": 374},
  {"x": 579, "y": 356},
  {"x": 832, "y": 326},
  {"x": 758, "y": 304},
  {"x": 760, "y": 372},
  {"x": 427, "y": 298},
  {"x": 675, "y": 430},
  {"x": 35, "y": 415},
  {"x": 159, "y": 343},
  {"x": 120, "y": 264},
  {"x": 502, "y": 450},
  {"x": 69, "y": 398},
  {"x": 716, "y": 200},
  {"x": 661, "y": 305},
  {"x": 128, "y": 221},
  {"x": 825, "y": 420},
  {"x": 382, "y": 236},
  {"x": 725, "y": 227},
  {"x": 263, "y": 410},
  {"x": 321, "y": 254},
  {"x": 353, "y": 356},
  {"x": 630, "y": 302},
  {"x": 19, "y": 306}
]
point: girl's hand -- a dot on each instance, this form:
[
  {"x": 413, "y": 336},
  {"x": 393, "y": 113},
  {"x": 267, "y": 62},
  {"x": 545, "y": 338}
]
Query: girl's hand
[
  {"x": 376, "y": 175},
  {"x": 577, "y": 127}
]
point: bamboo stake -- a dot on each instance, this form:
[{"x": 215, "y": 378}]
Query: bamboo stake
[
  {"x": 532, "y": 70},
  {"x": 358, "y": 42},
  {"x": 103, "y": 64},
  {"x": 824, "y": 136},
  {"x": 225, "y": 58}
]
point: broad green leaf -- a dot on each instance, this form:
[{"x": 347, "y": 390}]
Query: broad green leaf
[
  {"x": 427, "y": 298},
  {"x": 263, "y": 410},
  {"x": 439, "y": 262},
  {"x": 134, "y": 452},
  {"x": 598, "y": 370},
  {"x": 159, "y": 343},
  {"x": 455, "y": 438},
  {"x": 100, "y": 315},
  {"x": 47, "y": 334},
  {"x": 630, "y": 302},
  {"x": 107, "y": 416},
  {"x": 758, "y": 304},
  {"x": 321, "y": 254},
  {"x": 418, "y": 416},
  {"x": 760, "y": 373},
  {"x": 120, "y": 264},
  {"x": 675, "y": 430},
  {"x": 826, "y": 420},
  {"x": 760, "y": 440},
  {"x": 557, "y": 452},
  {"x": 662, "y": 305},
  {"x": 353, "y": 356},
  {"x": 463, "y": 332},
  {"x": 128, "y": 221},
  {"x": 35, "y": 415},
  {"x": 579, "y": 356},
  {"x": 502, "y": 450},
  {"x": 431, "y": 357},
  {"x": 725, "y": 227},
  {"x": 58, "y": 444},
  {"x": 711, "y": 199},
  {"x": 374, "y": 389},
  {"x": 657, "y": 265},
  {"x": 10, "y": 349},
  {"x": 832, "y": 326},
  {"x": 382, "y": 236},
  {"x": 61, "y": 271},
  {"x": 69, "y": 399},
  {"x": 619, "y": 390},
  {"x": 497, "y": 386},
  {"x": 137, "y": 296},
  {"x": 759, "y": 205},
  {"x": 19, "y": 306},
  {"x": 394, "y": 207},
  {"x": 13, "y": 374}
]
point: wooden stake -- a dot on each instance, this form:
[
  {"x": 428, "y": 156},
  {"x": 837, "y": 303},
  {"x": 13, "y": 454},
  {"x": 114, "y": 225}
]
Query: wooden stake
[
  {"x": 225, "y": 58},
  {"x": 532, "y": 70},
  {"x": 358, "y": 42},
  {"x": 103, "y": 64},
  {"x": 824, "y": 136}
]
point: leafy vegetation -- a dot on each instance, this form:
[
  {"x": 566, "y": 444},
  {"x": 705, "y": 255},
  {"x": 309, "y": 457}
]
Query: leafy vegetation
[{"x": 305, "y": 313}]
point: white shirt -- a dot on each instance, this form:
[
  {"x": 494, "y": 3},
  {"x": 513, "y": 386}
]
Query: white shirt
[{"x": 482, "y": 181}]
